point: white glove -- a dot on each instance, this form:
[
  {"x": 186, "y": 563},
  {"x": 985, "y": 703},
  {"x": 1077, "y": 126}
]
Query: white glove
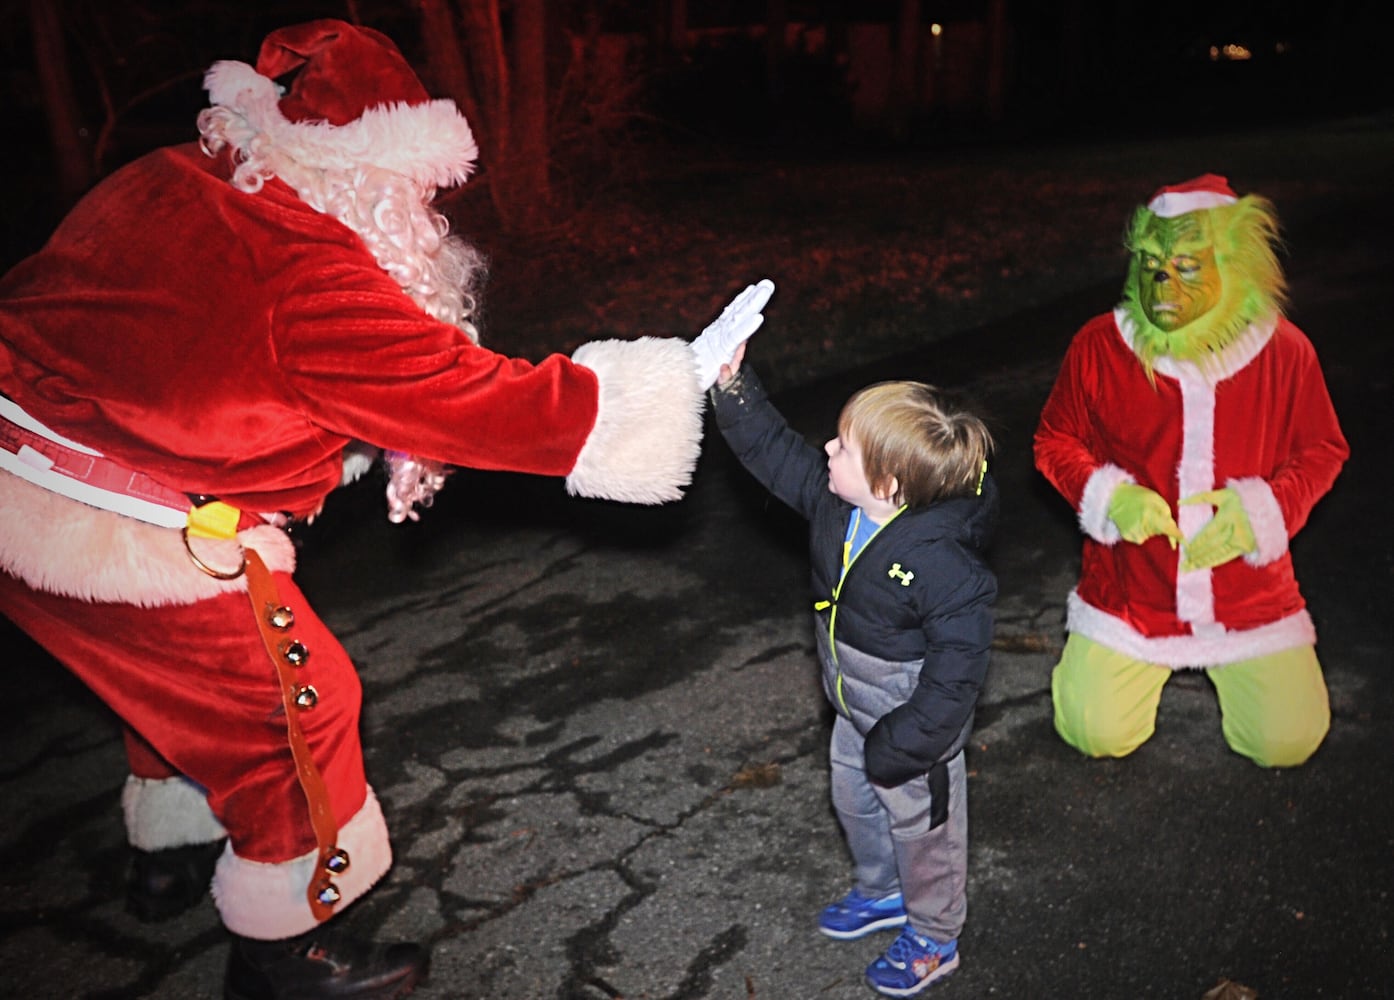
[{"x": 716, "y": 345}]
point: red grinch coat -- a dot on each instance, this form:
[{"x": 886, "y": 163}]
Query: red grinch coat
[
  {"x": 231, "y": 344},
  {"x": 1262, "y": 424}
]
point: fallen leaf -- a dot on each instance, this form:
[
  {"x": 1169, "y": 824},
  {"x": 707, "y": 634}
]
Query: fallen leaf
[{"x": 757, "y": 776}]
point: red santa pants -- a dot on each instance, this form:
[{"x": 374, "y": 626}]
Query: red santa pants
[{"x": 196, "y": 685}]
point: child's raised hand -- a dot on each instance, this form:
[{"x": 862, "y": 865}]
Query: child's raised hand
[{"x": 728, "y": 370}]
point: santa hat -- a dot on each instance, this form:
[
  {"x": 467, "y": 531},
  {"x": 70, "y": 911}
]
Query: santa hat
[
  {"x": 354, "y": 101},
  {"x": 1205, "y": 191}
]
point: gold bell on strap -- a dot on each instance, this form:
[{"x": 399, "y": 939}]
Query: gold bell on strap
[
  {"x": 279, "y": 617},
  {"x": 333, "y": 861},
  {"x": 272, "y": 618},
  {"x": 294, "y": 652},
  {"x": 337, "y": 862},
  {"x": 327, "y": 893}
]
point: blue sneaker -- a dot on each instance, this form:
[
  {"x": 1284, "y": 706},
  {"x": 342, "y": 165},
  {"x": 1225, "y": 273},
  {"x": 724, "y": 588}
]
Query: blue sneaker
[
  {"x": 854, "y": 916},
  {"x": 912, "y": 963}
]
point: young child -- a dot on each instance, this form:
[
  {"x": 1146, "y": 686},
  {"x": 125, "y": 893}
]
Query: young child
[{"x": 900, "y": 511}]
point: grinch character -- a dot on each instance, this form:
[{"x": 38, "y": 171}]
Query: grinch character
[
  {"x": 194, "y": 360},
  {"x": 1192, "y": 432}
]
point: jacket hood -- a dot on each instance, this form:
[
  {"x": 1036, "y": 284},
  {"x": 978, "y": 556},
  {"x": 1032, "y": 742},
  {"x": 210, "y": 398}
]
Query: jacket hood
[{"x": 971, "y": 521}]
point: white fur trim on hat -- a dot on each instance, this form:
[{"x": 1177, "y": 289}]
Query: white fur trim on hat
[
  {"x": 430, "y": 143},
  {"x": 1208, "y": 191}
]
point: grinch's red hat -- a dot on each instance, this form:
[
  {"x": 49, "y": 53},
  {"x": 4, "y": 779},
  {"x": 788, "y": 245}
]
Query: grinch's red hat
[
  {"x": 1205, "y": 191},
  {"x": 354, "y": 100}
]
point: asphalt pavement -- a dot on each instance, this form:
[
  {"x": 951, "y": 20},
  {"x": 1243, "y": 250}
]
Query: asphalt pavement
[{"x": 599, "y": 740}]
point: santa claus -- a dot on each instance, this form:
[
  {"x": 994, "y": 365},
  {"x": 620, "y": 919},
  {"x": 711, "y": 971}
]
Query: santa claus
[
  {"x": 184, "y": 368},
  {"x": 1192, "y": 432}
]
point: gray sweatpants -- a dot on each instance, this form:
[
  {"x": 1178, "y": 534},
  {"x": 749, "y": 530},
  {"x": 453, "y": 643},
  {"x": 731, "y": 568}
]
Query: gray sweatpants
[{"x": 894, "y": 846}]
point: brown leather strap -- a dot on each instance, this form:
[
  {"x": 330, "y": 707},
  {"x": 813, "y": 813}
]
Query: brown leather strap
[{"x": 282, "y": 647}]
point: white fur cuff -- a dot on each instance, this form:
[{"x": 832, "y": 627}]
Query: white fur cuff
[
  {"x": 1093, "y": 505},
  {"x": 1265, "y": 518},
  {"x": 268, "y": 902},
  {"x": 648, "y": 424},
  {"x": 161, "y": 813}
]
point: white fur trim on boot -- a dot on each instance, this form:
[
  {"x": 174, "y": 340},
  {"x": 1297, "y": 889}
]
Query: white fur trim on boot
[
  {"x": 161, "y": 813},
  {"x": 648, "y": 426},
  {"x": 267, "y": 901}
]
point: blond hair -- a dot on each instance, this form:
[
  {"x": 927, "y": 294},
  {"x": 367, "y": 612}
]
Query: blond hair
[{"x": 907, "y": 432}]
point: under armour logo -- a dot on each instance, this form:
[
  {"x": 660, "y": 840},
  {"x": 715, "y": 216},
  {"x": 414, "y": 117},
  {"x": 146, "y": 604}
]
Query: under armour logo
[{"x": 903, "y": 575}]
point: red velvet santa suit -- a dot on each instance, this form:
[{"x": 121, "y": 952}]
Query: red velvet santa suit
[
  {"x": 230, "y": 343},
  {"x": 295, "y": 343},
  {"x": 1263, "y": 425}
]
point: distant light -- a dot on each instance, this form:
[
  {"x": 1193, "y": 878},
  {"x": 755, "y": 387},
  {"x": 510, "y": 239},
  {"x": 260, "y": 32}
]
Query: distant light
[
  {"x": 936, "y": 29},
  {"x": 1230, "y": 53}
]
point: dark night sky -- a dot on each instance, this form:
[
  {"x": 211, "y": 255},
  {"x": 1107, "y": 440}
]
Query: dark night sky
[{"x": 1078, "y": 67}]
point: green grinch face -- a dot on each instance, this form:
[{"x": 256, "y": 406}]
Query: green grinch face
[{"x": 1178, "y": 280}]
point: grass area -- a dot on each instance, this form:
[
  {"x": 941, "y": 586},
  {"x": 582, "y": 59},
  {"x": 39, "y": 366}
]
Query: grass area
[{"x": 874, "y": 254}]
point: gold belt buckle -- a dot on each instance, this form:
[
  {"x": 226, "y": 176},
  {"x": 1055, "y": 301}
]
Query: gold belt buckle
[{"x": 213, "y": 520}]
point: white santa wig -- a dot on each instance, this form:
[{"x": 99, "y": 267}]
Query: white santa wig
[{"x": 357, "y": 137}]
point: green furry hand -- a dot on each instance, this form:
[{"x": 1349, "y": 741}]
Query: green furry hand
[
  {"x": 1226, "y": 536},
  {"x": 1141, "y": 514}
]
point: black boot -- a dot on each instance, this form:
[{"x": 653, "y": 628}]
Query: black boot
[
  {"x": 168, "y": 882},
  {"x": 320, "y": 965}
]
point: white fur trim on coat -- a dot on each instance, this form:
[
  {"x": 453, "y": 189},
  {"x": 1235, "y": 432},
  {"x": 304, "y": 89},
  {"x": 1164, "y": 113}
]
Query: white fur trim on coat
[
  {"x": 1094, "y": 503},
  {"x": 64, "y": 547},
  {"x": 267, "y": 901},
  {"x": 1265, "y": 518},
  {"x": 1217, "y": 646},
  {"x": 161, "y": 813},
  {"x": 1230, "y": 361},
  {"x": 1195, "y": 591},
  {"x": 648, "y": 428},
  {"x": 431, "y": 143}
]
